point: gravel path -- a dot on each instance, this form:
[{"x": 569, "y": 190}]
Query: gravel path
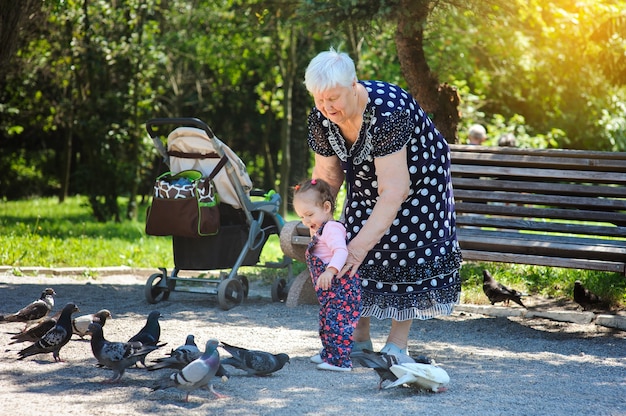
[{"x": 497, "y": 366}]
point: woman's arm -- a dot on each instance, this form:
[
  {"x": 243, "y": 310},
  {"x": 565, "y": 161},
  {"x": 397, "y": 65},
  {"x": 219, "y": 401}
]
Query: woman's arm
[
  {"x": 329, "y": 169},
  {"x": 393, "y": 188}
]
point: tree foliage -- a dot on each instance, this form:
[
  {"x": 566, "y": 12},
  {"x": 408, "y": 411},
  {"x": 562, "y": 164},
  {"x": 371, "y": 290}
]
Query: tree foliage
[
  {"x": 83, "y": 80},
  {"x": 539, "y": 61}
]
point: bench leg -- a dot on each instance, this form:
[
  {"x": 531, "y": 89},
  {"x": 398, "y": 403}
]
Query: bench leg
[{"x": 301, "y": 291}]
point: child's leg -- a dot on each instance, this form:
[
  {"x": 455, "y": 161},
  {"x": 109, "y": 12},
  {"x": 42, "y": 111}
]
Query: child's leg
[{"x": 342, "y": 313}]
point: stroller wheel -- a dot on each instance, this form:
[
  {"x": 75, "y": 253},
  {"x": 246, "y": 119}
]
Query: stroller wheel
[
  {"x": 229, "y": 293},
  {"x": 155, "y": 290},
  {"x": 279, "y": 290},
  {"x": 245, "y": 284}
]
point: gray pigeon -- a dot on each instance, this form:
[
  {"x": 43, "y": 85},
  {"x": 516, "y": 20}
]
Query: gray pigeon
[
  {"x": 117, "y": 356},
  {"x": 497, "y": 292},
  {"x": 149, "y": 334},
  {"x": 381, "y": 362},
  {"x": 195, "y": 375},
  {"x": 183, "y": 355},
  {"x": 80, "y": 324},
  {"x": 33, "y": 312},
  {"x": 259, "y": 363},
  {"x": 180, "y": 357},
  {"x": 55, "y": 338},
  {"x": 36, "y": 332}
]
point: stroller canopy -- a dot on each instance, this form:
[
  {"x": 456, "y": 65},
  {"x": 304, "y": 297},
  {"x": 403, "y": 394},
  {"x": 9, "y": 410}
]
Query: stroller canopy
[{"x": 193, "y": 141}]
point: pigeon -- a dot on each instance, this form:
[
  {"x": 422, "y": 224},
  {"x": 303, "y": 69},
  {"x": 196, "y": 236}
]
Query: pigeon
[
  {"x": 195, "y": 375},
  {"x": 35, "y": 333},
  {"x": 33, "y": 312},
  {"x": 149, "y": 334},
  {"x": 178, "y": 358},
  {"x": 585, "y": 298},
  {"x": 497, "y": 292},
  {"x": 53, "y": 340},
  {"x": 381, "y": 362},
  {"x": 424, "y": 376},
  {"x": 80, "y": 324},
  {"x": 117, "y": 356},
  {"x": 259, "y": 363},
  {"x": 183, "y": 355}
]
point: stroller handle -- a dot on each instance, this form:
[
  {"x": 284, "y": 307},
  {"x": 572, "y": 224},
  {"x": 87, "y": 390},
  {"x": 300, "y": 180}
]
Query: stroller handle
[{"x": 180, "y": 121}]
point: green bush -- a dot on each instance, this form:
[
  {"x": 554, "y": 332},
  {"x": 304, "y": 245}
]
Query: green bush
[{"x": 23, "y": 174}]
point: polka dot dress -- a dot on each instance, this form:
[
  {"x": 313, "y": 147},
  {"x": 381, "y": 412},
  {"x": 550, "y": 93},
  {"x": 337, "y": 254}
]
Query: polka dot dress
[{"x": 413, "y": 272}]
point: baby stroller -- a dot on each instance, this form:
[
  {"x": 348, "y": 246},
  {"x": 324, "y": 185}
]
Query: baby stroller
[{"x": 244, "y": 224}]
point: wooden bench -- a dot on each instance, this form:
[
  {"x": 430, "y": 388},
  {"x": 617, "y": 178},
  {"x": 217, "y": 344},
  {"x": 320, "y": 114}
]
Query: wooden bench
[{"x": 557, "y": 208}]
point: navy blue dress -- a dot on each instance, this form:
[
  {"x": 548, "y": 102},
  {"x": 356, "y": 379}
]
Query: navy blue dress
[{"x": 413, "y": 271}]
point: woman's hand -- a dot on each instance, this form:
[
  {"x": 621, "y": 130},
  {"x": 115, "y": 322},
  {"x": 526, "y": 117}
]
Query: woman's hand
[{"x": 356, "y": 255}]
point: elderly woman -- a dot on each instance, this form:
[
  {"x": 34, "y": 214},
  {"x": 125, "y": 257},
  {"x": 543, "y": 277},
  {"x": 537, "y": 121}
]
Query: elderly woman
[{"x": 399, "y": 211}]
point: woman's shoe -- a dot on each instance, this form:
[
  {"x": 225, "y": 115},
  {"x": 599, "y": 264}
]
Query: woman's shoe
[
  {"x": 393, "y": 349},
  {"x": 330, "y": 367},
  {"x": 359, "y": 346}
]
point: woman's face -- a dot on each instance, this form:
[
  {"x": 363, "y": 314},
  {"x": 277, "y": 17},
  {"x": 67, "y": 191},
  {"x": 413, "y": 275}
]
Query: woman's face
[
  {"x": 310, "y": 211},
  {"x": 337, "y": 104}
]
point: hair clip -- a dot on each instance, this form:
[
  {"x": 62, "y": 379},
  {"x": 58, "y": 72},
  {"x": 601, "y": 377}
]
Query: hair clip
[
  {"x": 313, "y": 181},
  {"x": 297, "y": 187}
]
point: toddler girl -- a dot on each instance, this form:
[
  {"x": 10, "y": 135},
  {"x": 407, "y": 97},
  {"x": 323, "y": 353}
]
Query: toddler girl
[{"x": 339, "y": 296}]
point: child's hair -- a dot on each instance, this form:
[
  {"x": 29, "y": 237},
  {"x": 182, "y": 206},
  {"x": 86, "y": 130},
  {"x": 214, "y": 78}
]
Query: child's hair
[{"x": 320, "y": 186}]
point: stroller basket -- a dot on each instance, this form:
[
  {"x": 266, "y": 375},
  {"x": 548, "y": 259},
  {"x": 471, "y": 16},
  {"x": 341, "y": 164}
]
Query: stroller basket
[
  {"x": 245, "y": 224},
  {"x": 207, "y": 253}
]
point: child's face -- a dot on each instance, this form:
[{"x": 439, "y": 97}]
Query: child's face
[{"x": 309, "y": 210}]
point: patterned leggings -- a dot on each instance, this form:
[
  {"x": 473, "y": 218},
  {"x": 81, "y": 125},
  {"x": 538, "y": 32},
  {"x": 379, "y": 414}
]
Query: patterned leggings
[{"x": 340, "y": 309}]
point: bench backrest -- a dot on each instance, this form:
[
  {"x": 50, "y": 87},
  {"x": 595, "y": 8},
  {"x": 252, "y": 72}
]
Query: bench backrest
[
  {"x": 570, "y": 185},
  {"x": 552, "y": 193}
]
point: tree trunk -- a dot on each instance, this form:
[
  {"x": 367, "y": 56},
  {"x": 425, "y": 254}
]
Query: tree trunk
[
  {"x": 134, "y": 155},
  {"x": 285, "y": 131},
  {"x": 66, "y": 164},
  {"x": 68, "y": 121},
  {"x": 14, "y": 15},
  {"x": 440, "y": 101}
]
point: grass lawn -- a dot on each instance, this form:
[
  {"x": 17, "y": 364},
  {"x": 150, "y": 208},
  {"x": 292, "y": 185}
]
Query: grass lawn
[{"x": 43, "y": 233}]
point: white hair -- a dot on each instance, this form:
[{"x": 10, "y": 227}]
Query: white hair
[
  {"x": 477, "y": 131},
  {"x": 328, "y": 70}
]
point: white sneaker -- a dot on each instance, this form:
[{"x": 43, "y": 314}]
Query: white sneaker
[
  {"x": 330, "y": 367},
  {"x": 316, "y": 359}
]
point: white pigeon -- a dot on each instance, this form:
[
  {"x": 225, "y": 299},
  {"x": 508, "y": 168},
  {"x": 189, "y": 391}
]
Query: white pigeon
[
  {"x": 425, "y": 376},
  {"x": 80, "y": 324}
]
